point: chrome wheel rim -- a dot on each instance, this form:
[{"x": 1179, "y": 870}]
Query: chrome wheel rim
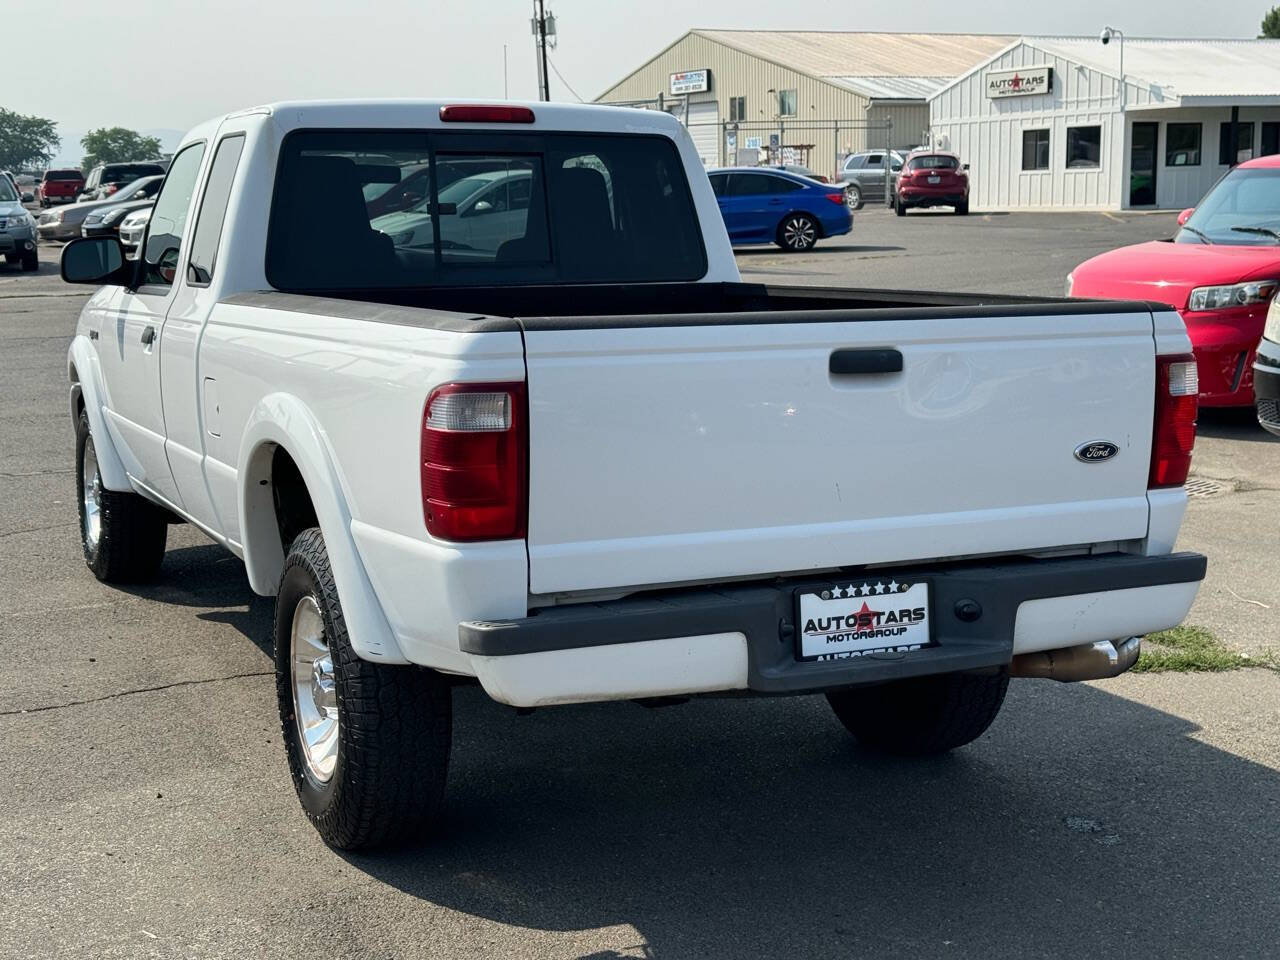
[
  {"x": 315, "y": 695},
  {"x": 799, "y": 233},
  {"x": 851, "y": 199},
  {"x": 92, "y": 496}
]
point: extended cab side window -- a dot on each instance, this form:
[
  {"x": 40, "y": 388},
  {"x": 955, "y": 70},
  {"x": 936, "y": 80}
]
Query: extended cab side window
[
  {"x": 213, "y": 208},
  {"x": 169, "y": 218}
]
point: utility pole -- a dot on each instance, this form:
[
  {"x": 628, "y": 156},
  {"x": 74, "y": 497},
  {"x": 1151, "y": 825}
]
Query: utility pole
[{"x": 540, "y": 34}]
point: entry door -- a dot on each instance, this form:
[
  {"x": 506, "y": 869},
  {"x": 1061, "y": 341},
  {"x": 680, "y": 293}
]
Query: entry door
[
  {"x": 129, "y": 357},
  {"x": 1142, "y": 164}
]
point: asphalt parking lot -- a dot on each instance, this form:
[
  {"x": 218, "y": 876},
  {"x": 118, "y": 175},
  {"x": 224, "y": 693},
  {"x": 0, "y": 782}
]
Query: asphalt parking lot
[{"x": 149, "y": 812}]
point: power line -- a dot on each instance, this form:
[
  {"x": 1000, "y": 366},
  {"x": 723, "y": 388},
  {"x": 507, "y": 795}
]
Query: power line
[{"x": 556, "y": 71}]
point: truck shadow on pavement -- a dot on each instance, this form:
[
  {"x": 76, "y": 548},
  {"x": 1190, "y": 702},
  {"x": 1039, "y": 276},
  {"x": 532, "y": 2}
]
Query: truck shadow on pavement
[
  {"x": 1083, "y": 824},
  {"x": 1232, "y": 423}
]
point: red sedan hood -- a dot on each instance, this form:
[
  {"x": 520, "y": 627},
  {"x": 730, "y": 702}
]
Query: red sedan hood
[{"x": 1167, "y": 272}]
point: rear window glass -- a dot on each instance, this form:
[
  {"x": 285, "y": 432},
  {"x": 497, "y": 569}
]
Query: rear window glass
[
  {"x": 933, "y": 163},
  {"x": 365, "y": 210},
  {"x": 63, "y": 175},
  {"x": 126, "y": 172}
]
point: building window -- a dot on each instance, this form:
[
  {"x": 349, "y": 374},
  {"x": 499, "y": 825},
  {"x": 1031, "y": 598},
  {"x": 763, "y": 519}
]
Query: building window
[
  {"x": 1270, "y": 139},
  {"x": 786, "y": 103},
  {"x": 1035, "y": 149},
  {"x": 737, "y": 108},
  {"x": 1084, "y": 147},
  {"x": 1182, "y": 145},
  {"x": 1244, "y": 143}
]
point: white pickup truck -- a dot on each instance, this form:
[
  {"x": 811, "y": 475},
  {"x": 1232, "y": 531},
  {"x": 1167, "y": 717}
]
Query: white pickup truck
[{"x": 476, "y": 392}]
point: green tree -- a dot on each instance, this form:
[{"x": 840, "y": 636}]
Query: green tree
[
  {"x": 26, "y": 141},
  {"x": 1271, "y": 25},
  {"x": 117, "y": 145}
]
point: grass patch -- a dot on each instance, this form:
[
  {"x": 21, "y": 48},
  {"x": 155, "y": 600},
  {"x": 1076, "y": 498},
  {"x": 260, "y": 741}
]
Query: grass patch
[{"x": 1192, "y": 649}]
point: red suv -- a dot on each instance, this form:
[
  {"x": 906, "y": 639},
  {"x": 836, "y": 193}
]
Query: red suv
[
  {"x": 932, "y": 179},
  {"x": 59, "y": 186}
]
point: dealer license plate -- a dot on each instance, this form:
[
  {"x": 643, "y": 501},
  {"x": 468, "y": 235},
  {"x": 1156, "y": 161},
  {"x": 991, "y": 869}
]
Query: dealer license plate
[
  {"x": 853, "y": 619},
  {"x": 935, "y": 179}
]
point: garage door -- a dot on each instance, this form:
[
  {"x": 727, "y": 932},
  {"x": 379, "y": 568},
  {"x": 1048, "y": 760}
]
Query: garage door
[{"x": 704, "y": 127}]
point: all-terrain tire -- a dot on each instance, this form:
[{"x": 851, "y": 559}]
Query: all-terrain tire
[
  {"x": 395, "y": 723},
  {"x": 921, "y": 715},
  {"x": 123, "y": 535}
]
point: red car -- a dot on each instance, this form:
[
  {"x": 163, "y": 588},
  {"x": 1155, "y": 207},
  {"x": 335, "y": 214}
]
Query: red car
[
  {"x": 932, "y": 178},
  {"x": 1220, "y": 271},
  {"x": 59, "y": 186}
]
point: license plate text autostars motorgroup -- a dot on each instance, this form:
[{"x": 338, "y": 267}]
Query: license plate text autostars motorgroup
[{"x": 844, "y": 623}]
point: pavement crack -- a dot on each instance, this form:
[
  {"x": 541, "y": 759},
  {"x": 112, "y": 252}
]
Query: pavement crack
[
  {"x": 48, "y": 526},
  {"x": 35, "y": 473},
  {"x": 129, "y": 693}
]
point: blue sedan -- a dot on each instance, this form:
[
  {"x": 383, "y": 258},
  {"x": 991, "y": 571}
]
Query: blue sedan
[{"x": 764, "y": 205}]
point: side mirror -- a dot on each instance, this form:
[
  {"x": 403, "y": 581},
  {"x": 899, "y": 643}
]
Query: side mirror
[
  {"x": 1185, "y": 215},
  {"x": 28, "y": 196},
  {"x": 964, "y": 166},
  {"x": 481, "y": 206},
  {"x": 95, "y": 260}
]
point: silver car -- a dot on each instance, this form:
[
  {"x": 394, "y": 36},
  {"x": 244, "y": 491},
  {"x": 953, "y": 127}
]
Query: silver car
[
  {"x": 17, "y": 229},
  {"x": 868, "y": 176},
  {"x": 64, "y": 223},
  {"x": 132, "y": 227}
]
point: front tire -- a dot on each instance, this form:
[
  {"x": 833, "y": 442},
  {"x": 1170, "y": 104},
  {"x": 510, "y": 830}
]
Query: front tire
[
  {"x": 797, "y": 233},
  {"x": 122, "y": 534},
  {"x": 367, "y": 744},
  {"x": 853, "y": 197},
  {"x": 921, "y": 715},
  {"x": 31, "y": 262}
]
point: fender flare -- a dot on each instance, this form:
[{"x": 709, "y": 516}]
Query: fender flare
[
  {"x": 283, "y": 420},
  {"x": 86, "y": 384}
]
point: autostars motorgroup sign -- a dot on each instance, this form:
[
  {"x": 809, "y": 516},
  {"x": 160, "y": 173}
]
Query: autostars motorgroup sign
[{"x": 1019, "y": 83}]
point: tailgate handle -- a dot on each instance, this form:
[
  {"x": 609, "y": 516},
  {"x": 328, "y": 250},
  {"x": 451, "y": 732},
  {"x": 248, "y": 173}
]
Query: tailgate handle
[{"x": 872, "y": 360}]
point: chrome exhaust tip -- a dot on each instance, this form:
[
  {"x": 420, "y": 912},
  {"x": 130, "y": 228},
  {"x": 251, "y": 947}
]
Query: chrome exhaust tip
[{"x": 1090, "y": 661}]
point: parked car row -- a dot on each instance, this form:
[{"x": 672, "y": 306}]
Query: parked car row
[
  {"x": 90, "y": 216},
  {"x": 69, "y": 185}
]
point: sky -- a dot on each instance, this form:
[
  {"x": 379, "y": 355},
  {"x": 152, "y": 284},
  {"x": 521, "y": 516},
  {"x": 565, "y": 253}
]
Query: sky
[{"x": 165, "y": 65}]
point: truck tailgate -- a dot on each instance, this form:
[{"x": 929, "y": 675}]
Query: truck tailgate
[{"x": 728, "y": 447}]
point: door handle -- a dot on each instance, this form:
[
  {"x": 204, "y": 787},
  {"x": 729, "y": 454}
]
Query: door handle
[
  {"x": 149, "y": 335},
  {"x": 865, "y": 360}
]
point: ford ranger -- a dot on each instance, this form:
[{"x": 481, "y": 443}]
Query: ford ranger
[{"x": 533, "y": 431}]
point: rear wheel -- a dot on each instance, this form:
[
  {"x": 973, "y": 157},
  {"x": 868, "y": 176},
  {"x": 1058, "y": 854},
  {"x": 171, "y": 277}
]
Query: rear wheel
[
  {"x": 962, "y": 209},
  {"x": 367, "y": 743},
  {"x": 797, "y": 233},
  {"x": 122, "y": 534},
  {"x": 899, "y": 207},
  {"x": 921, "y": 715}
]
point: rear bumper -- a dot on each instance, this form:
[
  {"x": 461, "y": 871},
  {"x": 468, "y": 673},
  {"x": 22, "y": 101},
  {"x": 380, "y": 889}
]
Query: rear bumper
[
  {"x": 742, "y": 637},
  {"x": 914, "y": 197}
]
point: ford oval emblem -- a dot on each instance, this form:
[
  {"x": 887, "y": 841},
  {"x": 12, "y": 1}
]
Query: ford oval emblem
[{"x": 1095, "y": 451}]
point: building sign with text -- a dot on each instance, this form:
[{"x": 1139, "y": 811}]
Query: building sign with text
[
  {"x": 1019, "y": 83},
  {"x": 691, "y": 81}
]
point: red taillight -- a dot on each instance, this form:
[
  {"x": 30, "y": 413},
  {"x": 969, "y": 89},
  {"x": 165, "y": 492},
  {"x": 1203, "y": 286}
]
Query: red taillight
[
  {"x": 1177, "y": 400},
  {"x": 473, "y": 461},
  {"x": 475, "y": 113},
  {"x": 836, "y": 198}
]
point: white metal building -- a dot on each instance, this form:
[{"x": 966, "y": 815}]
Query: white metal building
[{"x": 1045, "y": 123}]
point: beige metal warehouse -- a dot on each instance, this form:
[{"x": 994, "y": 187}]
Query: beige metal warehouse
[{"x": 815, "y": 96}]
